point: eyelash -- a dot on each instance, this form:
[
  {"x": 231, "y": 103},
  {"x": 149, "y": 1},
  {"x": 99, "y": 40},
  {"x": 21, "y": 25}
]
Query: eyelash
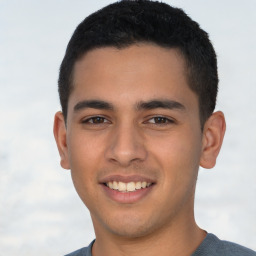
[
  {"x": 102, "y": 120},
  {"x": 94, "y": 118},
  {"x": 160, "y": 118}
]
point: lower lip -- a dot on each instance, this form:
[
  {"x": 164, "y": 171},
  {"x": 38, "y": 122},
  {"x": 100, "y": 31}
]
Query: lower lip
[{"x": 127, "y": 197}]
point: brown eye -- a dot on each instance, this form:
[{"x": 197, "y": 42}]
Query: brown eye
[
  {"x": 160, "y": 120},
  {"x": 95, "y": 120}
]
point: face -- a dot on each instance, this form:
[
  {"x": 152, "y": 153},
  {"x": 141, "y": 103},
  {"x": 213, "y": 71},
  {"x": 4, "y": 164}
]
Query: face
[{"x": 133, "y": 139}]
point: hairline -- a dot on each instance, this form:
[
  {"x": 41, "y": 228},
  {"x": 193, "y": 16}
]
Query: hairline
[{"x": 177, "y": 49}]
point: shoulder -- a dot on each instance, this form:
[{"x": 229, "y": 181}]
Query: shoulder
[
  {"x": 229, "y": 248},
  {"x": 85, "y": 251},
  {"x": 80, "y": 252},
  {"x": 213, "y": 246}
]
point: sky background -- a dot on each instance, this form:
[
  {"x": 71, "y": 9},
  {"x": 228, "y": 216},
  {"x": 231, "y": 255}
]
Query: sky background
[{"x": 40, "y": 212}]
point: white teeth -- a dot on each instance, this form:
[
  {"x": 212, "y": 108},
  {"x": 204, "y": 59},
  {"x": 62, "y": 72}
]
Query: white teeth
[
  {"x": 128, "y": 187},
  {"x": 144, "y": 184},
  {"x": 115, "y": 185},
  {"x": 138, "y": 185},
  {"x": 110, "y": 184},
  {"x": 121, "y": 186}
]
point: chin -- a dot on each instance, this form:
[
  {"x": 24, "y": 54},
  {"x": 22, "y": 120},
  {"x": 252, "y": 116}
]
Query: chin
[
  {"x": 128, "y": 226},
  {"x": 131, "y": 232}
]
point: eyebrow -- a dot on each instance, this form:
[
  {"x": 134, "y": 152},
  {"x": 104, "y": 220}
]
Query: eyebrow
[
  {"x": 142, "y": 105},
  {"x": 97, "y": 104},
  {"x": 165, "y": 104}
]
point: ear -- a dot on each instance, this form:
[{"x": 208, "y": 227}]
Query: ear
[
  {"x": 213, "y": 134},
  {"x": 60, "y": 132}
]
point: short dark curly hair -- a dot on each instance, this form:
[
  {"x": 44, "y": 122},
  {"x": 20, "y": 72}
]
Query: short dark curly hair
[{"x": 128, "y": 22}]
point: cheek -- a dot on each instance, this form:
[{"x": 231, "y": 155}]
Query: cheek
[
  {"x": 178, "y": 148},
  {"x": 83, "y": 151},
  {"x": 84, "y": 158},
  {"x": 179, "y": 159},
  {"x": 178, "y": 156}
]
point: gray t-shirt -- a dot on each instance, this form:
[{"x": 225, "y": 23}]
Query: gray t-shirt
[{"x": 211, "y": 246}]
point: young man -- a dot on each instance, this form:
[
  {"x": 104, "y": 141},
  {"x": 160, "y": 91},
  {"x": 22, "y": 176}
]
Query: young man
[{"x": 138, "y": 87}]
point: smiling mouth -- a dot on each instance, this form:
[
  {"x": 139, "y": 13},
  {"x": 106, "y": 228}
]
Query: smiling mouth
[{"x": 127, "y": 187}]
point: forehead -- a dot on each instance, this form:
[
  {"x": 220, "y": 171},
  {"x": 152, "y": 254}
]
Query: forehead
[
  {"x": 132, "y": 74},
  {"x": 143, "y": 57}
]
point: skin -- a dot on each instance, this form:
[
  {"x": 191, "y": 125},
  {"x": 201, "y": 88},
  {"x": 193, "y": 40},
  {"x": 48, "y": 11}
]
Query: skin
[{"x": 165, "y": 145}]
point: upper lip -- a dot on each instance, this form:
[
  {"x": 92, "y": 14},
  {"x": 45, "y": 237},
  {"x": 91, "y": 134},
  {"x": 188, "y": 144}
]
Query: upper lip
[{"x": 126, "y": 178}]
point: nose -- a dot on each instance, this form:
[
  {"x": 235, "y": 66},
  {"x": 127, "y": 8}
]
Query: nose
[{"x": 126, "y": 146}]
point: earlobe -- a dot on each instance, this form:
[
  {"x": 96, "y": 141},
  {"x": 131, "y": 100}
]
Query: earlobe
[
  {"x": 213, "y": 134},
  {"x": 60, "y": 132}
]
